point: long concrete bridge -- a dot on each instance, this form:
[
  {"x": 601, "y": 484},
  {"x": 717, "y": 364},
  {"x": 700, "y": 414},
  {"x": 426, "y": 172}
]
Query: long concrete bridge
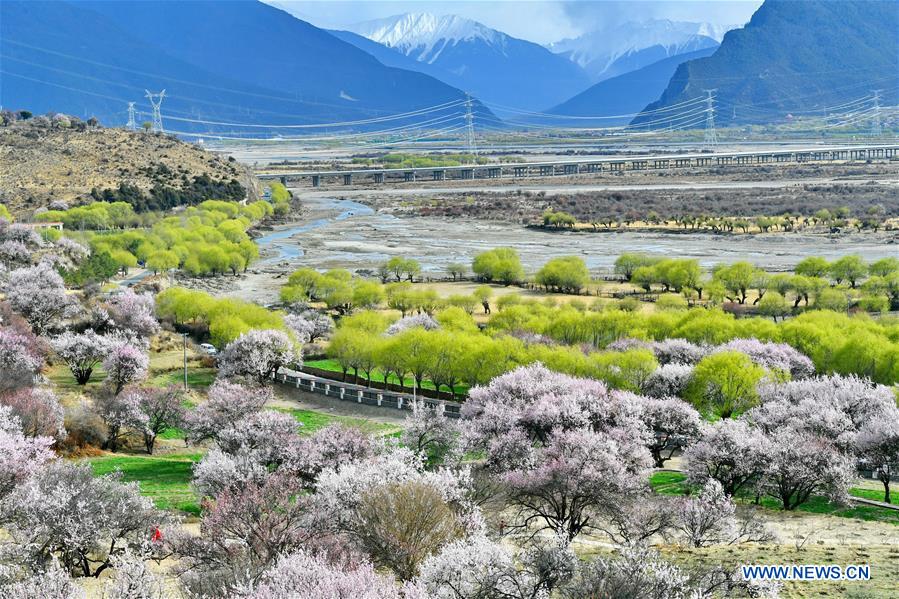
[{"x": 613, "y": 165}]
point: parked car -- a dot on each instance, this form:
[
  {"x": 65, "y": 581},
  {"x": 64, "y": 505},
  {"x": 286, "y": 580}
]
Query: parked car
[{"x": 209, "y": 349}]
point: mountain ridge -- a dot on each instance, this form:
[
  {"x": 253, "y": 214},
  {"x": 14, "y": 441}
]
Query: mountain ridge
[
  {"x": 241, "y": 61},
  {"x": 625, "y": 94},
  {"x": 837, "y": 53},
  {"x": 490, "y": 64},
  {"x": 598, "y": 51}
]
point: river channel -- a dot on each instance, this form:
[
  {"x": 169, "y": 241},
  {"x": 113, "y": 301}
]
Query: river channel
[{"x": 340, "y": 233}]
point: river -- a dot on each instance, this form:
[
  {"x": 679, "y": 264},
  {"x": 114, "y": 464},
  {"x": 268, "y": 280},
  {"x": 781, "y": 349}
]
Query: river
[{"x": 340, "y": 233}]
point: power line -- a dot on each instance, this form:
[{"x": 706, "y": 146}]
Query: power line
[
  {"x": 156, "y": 103},
  {"x": 502, "y": 108},
  {"x": 380, "y": 119}
]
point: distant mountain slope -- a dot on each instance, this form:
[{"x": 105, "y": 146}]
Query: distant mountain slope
[
  {"x": 623, "y": 47},
  {"x": 390, "y": 57},
  {"x": 237, "y": 61},
  {"x": 491, "y": 65},
  {"x": 795, "y": 57},
  {"x": 637, "y": 59},
  {"x": 625, "y": 94}
]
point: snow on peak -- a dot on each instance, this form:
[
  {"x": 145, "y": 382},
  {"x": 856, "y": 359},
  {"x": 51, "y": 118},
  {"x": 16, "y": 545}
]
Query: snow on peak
[
  {"x": 612, "y": 41},
  {"x": 423, "y": 36}
]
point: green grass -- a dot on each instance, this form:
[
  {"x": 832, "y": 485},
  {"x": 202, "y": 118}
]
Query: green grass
[
  {"x": 171, "y": 434},
  {"x": 873, "y": 494},
  {"x": 197, "y": 378},
  {"x": 62, "y": 379},
  {"x": 377, "y": 378},
  {"x": 165, "y": 479},
  {"x": 675, "y": 483},
  {"x": 313, "y": 421},
  {"x": 669, "y": 483}
]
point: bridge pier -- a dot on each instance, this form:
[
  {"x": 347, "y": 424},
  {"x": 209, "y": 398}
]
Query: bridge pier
[
  {"x": 519, "y": 171},
  {"x": 638, "y": 165},
  {"x": 438, "y": 175},
  {"x": 283, "y": 181},
  {"x": 616, "y": 167},
  {"x": 494, "y": 172},
  {"x": 593, "y": 168},
  {"x": 316, "y": 180},
  {"x": 660, "y": 164},
  {"x": 467, "y": 173},
  {"x": 379, "y": 177},
  {"x": 348, "y": 179},
  {"x": 409, "y": 176},
  {"x": 571, "y": 169},
  {"x": 546, "y": 171}
]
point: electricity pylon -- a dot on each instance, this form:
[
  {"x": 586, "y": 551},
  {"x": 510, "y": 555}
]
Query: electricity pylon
[
  {"x": 132, "y": 124},
  {"x": 156, "y": 103},
  {"x": 711, "y": 137},
  {"x": 469, "y": 121},
  {"x": 876, "y": 128}
]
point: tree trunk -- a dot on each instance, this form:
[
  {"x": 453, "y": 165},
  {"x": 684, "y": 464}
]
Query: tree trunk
[{"x": 84, "y": 376}]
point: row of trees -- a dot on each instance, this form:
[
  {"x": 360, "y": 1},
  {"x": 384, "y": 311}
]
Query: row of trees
[
  {"x": 871, "y": 218},
  {"x": 451, "y": 352},
  {"x": 834, "y": 341},
  {"x": 814, "y": 277},
  {"x": 339, "y": 290}
]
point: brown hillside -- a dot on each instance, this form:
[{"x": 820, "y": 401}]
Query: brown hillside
[{"x": 42, "y": 162}]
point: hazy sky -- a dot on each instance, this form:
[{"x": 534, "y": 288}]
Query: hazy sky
[{"x": 541, "y": 21}]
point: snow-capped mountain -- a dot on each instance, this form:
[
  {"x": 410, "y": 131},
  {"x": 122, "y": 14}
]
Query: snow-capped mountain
[
  {"x": 618, "y": 49},
  {"x": 424, "y": 36},
  {"x": 491, "y": 65}
]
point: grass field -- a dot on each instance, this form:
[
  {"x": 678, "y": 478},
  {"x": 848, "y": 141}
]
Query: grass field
[
  {"x": 163, "y": 478},
  {"x": 166, "y": 368},
  {"x": 674, "y": 483},
  {"x": 313, "y": 421},
  {"x": 197, "y": 378}
]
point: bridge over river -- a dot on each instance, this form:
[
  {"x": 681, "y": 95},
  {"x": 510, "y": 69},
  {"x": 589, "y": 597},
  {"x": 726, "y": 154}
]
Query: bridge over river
[{"x": 571, "y": 167}]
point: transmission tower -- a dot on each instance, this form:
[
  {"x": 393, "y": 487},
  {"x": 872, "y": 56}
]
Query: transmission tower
[
  {"x": 156, "y": 103},
  {"x": 876, "y": 129},
  {"x": 132, "y": 124},
  {"x": 711, "y": 138},
  {"x": 469, "y": 122}
]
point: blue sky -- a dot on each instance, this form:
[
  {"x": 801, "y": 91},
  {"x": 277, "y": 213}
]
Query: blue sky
[{"x": 541, "y": 21}]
